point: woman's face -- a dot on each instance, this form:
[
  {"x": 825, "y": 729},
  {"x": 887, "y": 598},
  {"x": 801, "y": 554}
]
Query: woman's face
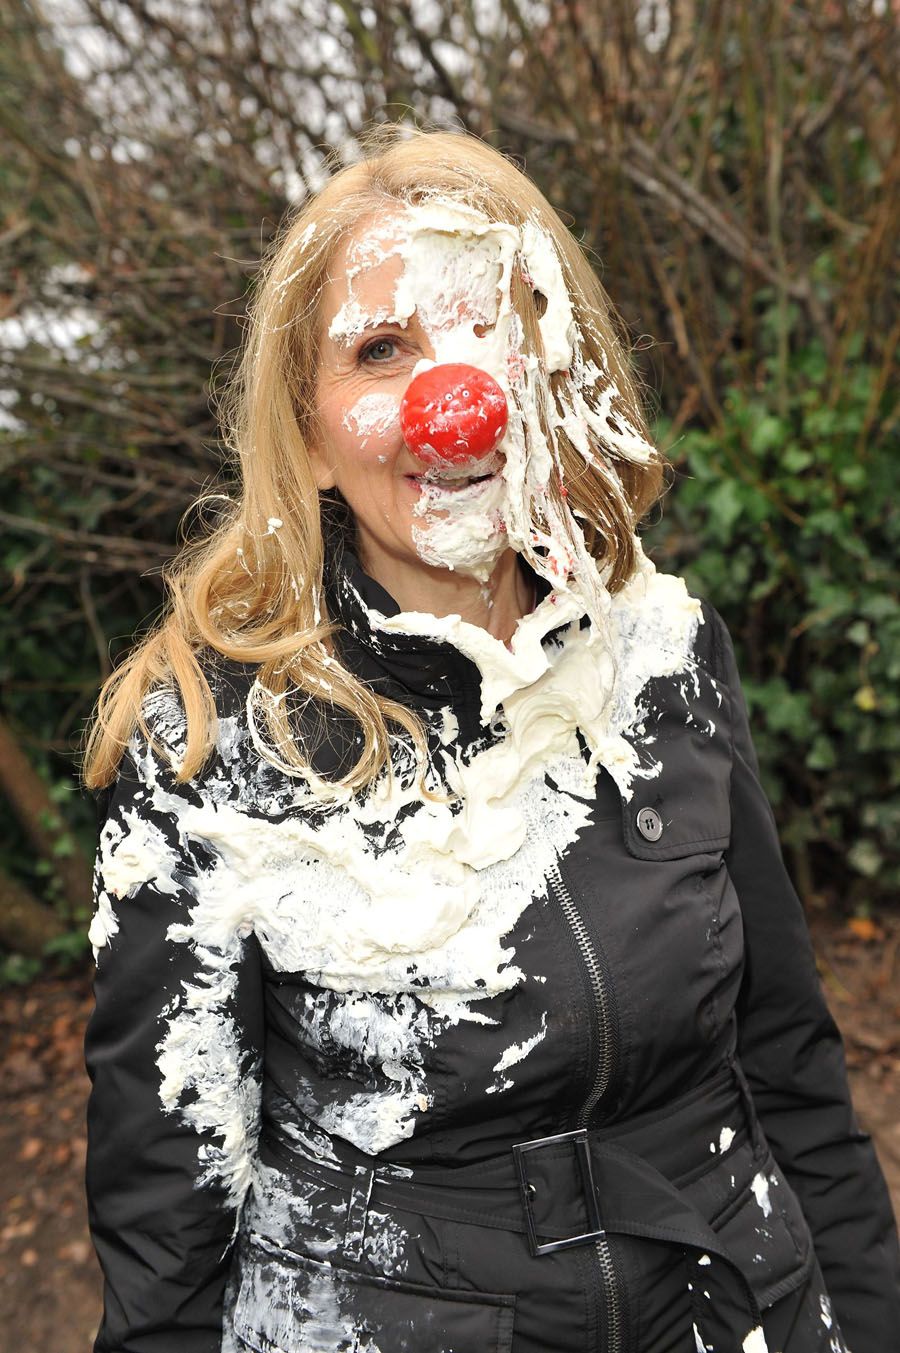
[{"x": 398, "y": 295}]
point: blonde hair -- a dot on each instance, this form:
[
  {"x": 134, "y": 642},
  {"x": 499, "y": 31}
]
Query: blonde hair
[{"x": 252, "y": 590}]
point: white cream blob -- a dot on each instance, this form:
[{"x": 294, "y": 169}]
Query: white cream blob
[
  {"x": 104, "y": 923},
  {"x": 760, "y": 1186},
  {"x": 592, "y": 684},
  {"x": 134, "y": 851},
  {"x": 464, "y": 525},
  {"x": 199, "y": 1056},
  {"x": 517, "y": 1052},
  {"x": 131, "y": 852},
  {"x": 307, "y": 1311},
  {"x": 373, "y": 415},
  {"x": 557, "y": 324}
]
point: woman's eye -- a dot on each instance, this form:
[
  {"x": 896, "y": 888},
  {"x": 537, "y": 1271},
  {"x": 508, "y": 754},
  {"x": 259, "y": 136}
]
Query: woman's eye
[{"x": 379, "y": 350}]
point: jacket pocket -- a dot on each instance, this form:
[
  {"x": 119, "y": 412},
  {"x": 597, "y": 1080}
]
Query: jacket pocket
[
  {"x": 763, "y": 1227},
  {"x": 288, "y": 1303},
  {"x": 683, "y": 807}
]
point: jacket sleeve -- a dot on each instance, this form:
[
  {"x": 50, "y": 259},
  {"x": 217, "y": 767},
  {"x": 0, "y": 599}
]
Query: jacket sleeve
[
  {"x": 792, "y": 1056},
  {"x": 173, "y": 1052}
]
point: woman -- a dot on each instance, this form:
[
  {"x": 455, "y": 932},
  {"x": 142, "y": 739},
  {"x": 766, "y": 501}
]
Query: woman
[{"x": 451, "y": 993}]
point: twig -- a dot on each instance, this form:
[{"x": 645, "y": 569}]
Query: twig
[
  {"x": 86, "y": 539},
  {"x": 101, "y": 642}
]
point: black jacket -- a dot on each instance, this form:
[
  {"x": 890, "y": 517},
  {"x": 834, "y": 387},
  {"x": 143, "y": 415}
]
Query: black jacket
[{"x": 658, "y": 990}]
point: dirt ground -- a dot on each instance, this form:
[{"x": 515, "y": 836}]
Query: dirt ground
[{"x": 49, "y": 1281}]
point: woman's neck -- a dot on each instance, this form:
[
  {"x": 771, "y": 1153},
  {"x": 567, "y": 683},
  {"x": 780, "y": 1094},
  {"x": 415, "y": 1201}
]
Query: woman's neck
[{"x": 496, "y": 605}]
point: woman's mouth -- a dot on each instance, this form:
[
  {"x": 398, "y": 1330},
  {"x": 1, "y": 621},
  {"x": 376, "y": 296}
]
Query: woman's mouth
[
  {"x": 440, "y": 484},
  {"x": 454, "y": 479}
]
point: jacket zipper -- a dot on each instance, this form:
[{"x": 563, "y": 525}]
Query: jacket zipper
[
  {"x": 607, "y": 1035},
  {"x": 607, "y": 1047}
]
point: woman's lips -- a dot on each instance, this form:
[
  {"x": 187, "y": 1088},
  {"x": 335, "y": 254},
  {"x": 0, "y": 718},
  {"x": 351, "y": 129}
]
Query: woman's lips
[
  {"x": 454, "y": 478},
  {"x": 457, "y": 484}
]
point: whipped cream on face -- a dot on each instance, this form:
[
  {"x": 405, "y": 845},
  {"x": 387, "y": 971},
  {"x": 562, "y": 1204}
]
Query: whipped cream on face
[
  {"x": 456, "y": 274},
  {"x": 373, "y": 415},
  {"x": 465, "y": 527},
  {"x": 455, "y": 277}
]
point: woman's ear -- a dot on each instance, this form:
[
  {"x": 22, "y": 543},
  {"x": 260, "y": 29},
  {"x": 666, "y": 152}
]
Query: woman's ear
[{"x": 321, "y": 467}]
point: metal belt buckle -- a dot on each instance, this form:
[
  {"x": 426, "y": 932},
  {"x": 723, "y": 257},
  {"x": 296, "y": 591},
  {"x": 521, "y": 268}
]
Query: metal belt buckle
[{"x": 579, "y": 1140}]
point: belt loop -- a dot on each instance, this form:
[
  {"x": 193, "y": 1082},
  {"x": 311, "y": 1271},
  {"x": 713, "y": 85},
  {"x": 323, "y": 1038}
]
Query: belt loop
[
  {"x": 357, "y": 1213},
  {"x": 754, "y": 1129}
]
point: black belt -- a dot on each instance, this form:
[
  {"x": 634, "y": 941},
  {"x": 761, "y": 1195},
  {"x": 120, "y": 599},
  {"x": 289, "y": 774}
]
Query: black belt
[
  {"x": 645, "y": 1179},
  {"x": 621, "y": 1194},
  {"x": 497, "y": 1192}
]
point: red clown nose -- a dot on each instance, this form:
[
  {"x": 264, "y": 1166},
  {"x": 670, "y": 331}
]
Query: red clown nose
[{"x": 452, "y": 413}]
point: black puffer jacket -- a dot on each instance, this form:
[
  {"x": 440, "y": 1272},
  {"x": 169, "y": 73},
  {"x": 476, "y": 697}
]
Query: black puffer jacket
[{"x": 332, "y": 1165}]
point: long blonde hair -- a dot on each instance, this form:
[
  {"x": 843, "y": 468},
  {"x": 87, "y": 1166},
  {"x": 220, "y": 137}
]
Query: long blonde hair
[{"x": 252, "y": 590}]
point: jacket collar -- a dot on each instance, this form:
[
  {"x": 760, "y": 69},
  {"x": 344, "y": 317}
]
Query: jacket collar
[{"x": 421, "y": 670}]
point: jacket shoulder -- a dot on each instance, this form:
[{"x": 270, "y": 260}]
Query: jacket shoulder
[{"x": 713, "y": 648}]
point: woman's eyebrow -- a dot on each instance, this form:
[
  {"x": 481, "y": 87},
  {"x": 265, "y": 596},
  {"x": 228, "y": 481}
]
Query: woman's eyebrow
[{"x": 352, "y": 319}]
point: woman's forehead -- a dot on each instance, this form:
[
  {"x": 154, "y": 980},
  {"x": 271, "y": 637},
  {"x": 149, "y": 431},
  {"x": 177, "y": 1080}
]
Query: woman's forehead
[
  {"x": 442, "y": 261},
  {"x": 375, "y": 239},
  {"x": 365, "y": 268}
]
